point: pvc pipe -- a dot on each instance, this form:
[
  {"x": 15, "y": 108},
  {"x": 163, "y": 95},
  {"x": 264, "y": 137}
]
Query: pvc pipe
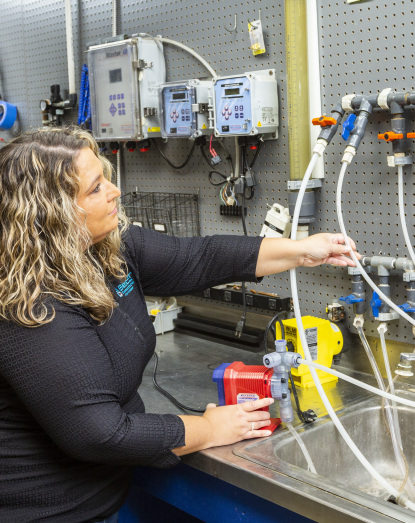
[
  {"x": 326, "y": 402},
  {"x": 118, "y": 173},
  {"x": 307, "y": 456},
  {"x": 114, "y": 17},
  {"x": 69, "y": 47},
  {"x": 353, "y": 255},
  {"x": 402, "y": 214}
]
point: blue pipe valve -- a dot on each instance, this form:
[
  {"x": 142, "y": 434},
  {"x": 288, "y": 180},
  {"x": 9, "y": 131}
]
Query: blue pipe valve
[
  {"x": 350, "y": 299},
  {"x": 348, "y": 126},
  {"x": 406, "y": 307},
  {"x": 376, "y": 304}
]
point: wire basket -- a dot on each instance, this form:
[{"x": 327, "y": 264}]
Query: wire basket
[{"x": 169, "y": 213}]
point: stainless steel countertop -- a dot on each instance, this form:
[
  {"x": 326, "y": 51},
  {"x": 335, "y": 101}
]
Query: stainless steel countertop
[{"x": 185, "y": 370}]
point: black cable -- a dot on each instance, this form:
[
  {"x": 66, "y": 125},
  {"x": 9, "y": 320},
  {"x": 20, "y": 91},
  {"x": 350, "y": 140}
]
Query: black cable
[
  {"x": 167, "y": 394},
  {"x": 254, "y": 159},
  {"x": 241, "y": 323},
  {"x": 223, "y": 176},
  {"x": 270, "y": 325},
  {"x": 168, "y": 161}
]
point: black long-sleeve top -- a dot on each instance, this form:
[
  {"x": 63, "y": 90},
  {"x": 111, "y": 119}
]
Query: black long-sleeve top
[{"x": 72, "y": 425}]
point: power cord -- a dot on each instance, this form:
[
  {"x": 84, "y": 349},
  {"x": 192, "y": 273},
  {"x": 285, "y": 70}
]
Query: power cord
[
  {"x": 168, "y": 161},
  {"x": 167, "y": 394}
]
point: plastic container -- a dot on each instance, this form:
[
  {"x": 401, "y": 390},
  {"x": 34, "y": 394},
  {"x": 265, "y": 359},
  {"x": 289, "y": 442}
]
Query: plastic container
[{"x": 163, "y": 320}]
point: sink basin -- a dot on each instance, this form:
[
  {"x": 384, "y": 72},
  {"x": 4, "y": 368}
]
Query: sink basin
[{"x": 338, "y": 470}]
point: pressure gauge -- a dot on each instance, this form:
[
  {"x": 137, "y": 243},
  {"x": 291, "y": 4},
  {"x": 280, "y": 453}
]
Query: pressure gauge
[{"x": 45, "y": 105}]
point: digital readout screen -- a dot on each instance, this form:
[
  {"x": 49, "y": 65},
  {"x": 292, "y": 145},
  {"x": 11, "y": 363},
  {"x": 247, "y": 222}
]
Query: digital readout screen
[
  {"x": 115, "y": 76},
  {"x": 231, "y": 92},
  {"x": 179, "y": 96}
]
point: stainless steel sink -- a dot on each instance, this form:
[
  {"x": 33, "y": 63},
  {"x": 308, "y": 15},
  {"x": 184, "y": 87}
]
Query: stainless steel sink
[{"x": 338, "y": 470}]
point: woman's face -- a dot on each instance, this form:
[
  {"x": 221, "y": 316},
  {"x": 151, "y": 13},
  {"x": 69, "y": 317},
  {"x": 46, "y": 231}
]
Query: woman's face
[{"x": 96, "y": 196}]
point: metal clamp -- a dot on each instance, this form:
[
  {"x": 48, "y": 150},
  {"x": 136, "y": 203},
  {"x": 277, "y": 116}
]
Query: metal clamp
[
  {"x": 294, "y": 185},
  {"x": 200, "y": 108},
  {"x": 394, "y": 161}
]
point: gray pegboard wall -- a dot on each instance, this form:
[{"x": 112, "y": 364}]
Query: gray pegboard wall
[{"x": 364, "y": 47}]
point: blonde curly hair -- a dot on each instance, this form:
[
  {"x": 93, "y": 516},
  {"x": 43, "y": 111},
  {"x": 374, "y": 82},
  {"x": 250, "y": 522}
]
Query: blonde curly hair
[{"x": 45, "y": 247}]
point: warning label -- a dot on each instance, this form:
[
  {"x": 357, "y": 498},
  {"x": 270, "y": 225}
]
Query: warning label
[
  {"x": 311, "y": 337},
  {"x": 269, "y": 116}
]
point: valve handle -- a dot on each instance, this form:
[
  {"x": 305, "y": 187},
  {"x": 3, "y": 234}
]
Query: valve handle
[
  {"x": 324, "y": 121},
  {"x": 375, "y": 303},
  {"x": 406, "y": 307},
  {"x": 350, "y": 299},
  {"x": 390, "y": 136},
  {"x": 348, "y": 126}
]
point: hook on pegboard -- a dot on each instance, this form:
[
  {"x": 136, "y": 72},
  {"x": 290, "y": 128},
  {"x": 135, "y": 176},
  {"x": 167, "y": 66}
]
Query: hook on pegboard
[{"x": 233, "y": 28}]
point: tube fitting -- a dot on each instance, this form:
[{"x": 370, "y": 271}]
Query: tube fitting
[
  {"x": 358, "y": 321},
  {"x": 349, "y": 153}
]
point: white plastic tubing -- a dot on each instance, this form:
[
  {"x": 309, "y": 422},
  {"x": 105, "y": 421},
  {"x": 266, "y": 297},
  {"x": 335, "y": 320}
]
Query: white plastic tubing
[
  {"x": 185, "y": 48},
  {"x": 69, "y": 47},
  {"x": 382, "y": 296},
  {"x": 308, "y": 359}
]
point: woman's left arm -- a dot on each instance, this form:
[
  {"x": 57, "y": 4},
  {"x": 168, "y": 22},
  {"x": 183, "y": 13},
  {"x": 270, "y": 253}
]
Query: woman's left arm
[{"x": 281, "y": 254}]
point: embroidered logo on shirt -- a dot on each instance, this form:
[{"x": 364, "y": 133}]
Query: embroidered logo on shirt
[{"x": 126, "y": 287}]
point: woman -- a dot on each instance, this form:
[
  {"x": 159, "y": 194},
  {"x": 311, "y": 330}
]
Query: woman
[{"x": 76, "y": 336}]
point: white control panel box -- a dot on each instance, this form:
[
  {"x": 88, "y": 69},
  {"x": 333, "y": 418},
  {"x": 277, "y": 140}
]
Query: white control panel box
[
  {"x": 124, "y": 78},
  {"x": 184, "y": 108},
  {"x": 246, "y": 104}
]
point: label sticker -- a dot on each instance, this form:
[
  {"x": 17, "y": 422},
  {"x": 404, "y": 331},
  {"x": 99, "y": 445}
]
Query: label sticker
[
  {"x": 246, "y": 396},
  {"x": 311, "y": 337}
]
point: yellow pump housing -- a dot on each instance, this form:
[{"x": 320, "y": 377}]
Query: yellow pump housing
[{"x": 324, "y": 341}]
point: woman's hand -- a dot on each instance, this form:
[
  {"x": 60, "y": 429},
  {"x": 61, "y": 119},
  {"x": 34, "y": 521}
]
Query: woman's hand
[
  {"x": 327, "y": 248},
  {"x": 225, "y": 425},
  {"x": 237, "y": 422},
  {"x": 281, "y": 254}
]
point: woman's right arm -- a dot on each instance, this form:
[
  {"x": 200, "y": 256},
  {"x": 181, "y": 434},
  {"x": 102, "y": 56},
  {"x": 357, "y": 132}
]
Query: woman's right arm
[{"x": 225, "y": 425}]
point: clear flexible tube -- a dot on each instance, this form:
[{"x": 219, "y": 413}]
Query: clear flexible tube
[
  {"x": 354, "y": 381},
  {"x": 390, "y": 381},
  {"x": 307, "y": 456},
  {"x": 353, "y": 255},
  {"x": 304, "y": 344},
  {"x": 371, "y": 358},
  {"x": 392, "y": 422},
  {"x": 405, "y": 479},
  {"x": 402, "y": 214}
]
